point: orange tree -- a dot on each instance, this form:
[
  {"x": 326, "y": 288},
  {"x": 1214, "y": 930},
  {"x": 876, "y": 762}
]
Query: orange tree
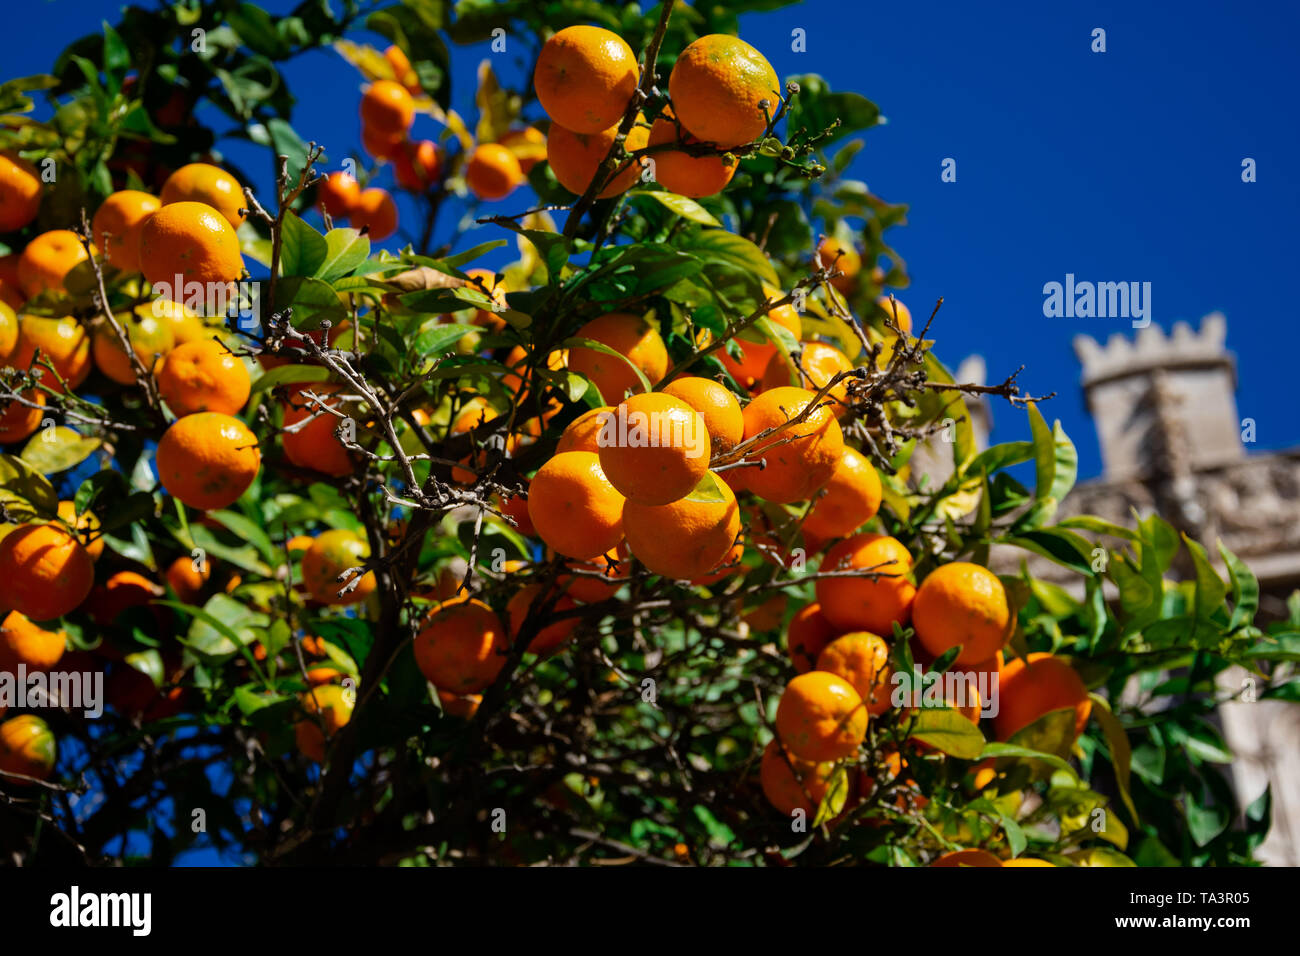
[{"x": 617, "y": 551}]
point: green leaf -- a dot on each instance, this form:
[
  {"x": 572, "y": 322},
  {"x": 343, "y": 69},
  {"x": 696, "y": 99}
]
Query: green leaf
[
  {"x": 439, "y": 338},
  {"x": 1206, "y": 818},
  {"x": 58, "y": 448},
  {"x": 1044, "y": 453},
  {"x": 1000, "y": 456},
  {"x": 312, "y": 301},
  {"x": 345, "y": 249},
  {"x": 250, "y": 698},
  {"x": 302, "y": 249},
  {"x": 1098, "y": 526},
  {"x": 286, "y": 142},
  {"x": 24, "y": 491},
  {"x": 944, "y": 729},
  {"x": 469, "y": 255},
  {"x": 816, "y": 109},
  {"x": 290, "y": 374},
  {"x": 837, "y": 794},
  {"x": 1053, "y": 733},
  {"x": 735, "y": 252},
  {"x": 1063, "y": 547},
  {"x": 1245, "y": 589},
  {"x": 708, "y": 490},
  {"x": 1121, "y": 754},
  {"x": 684, "y": 206},
  {"x": 1014, "y": 751},
  {"x": 247, "y": 530},
  {"x": 1210, "y": 589},
  {"x": 223, "y": 626}
]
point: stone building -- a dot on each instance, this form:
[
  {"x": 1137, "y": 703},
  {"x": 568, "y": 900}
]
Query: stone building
[{"x": 1173, "y": 442}]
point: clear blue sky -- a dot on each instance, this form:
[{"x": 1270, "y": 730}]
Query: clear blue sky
[{"x": 1117, "y": 166}]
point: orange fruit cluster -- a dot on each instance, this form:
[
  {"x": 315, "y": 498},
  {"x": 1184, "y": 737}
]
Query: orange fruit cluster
[{"x": 723, "y": 92}]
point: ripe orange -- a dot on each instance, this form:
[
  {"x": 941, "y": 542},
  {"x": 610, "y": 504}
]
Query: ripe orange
[
  {"x": 1034, "y": 687},
  {"x": 549, "y": 638},
  {"x": 26, "y": 748},
  {"x": 967, "y": 858},
  {"x": 718, "y": 86},
  {"x": 859, "y": 603},
  {"x": 84, "y": 526},
  {"x": 47, "y": 260},
  {"x": 464, "y": 706},
  {"x": 62, "y": 342},
  {"x": 309, "y": 440},
  {"x": 380, "y": 145},
  {"x": 207, "y": 460},
  {"x": 331, "y": 553},
  {"x": 583, "y": 433},
  {"x": 833, "y": 253},
  {"x": 402, "y": 70},
  {"x": 117, "y": 223},
  {"x": 756, "y": 356},
  {"x": 686, "y": 539},
  {"x": 852, "y": 497},
  {"x": 574, "y": 508},
  {"x": 862, "y": 659},
  {"x": 800, "y": 458},
  {"x": 463, "y": 647},
  {"x": 612, "y": 568},
  {"x": 44, "y": 571},
  {"x": 187, "y": 581},
  {"x": 808, "y": 633},
  {"x": 375, "y": 210},
  {"x": 1027, "y": 861},
  {"x": 516, "y": 507},
  {"x": 337, "y": 194},
  {"x": 528, "y": 145},
  {"x": 962, "y": 603},
  {"x": 205, "y": 183},
  {"x": 22, "y": 642},
  {"x": 634, "y": 338},
  {"x": 329, "y": 705},
  {"x": 820, "y": 717},
  {"x": 487, "y": 282},
  {"x": 585, "y": 77},
  {"x": 680, "y": 172},
  {"x": 11, "y": 289},
  {"x": 185, "y": 323},
  {"x": 654, "y": 448},
  {"x": 19, "y": 421},
  {"x": 8, "y": 330},
  {"x": 150, "y": 338},
  {"x": 20, "y": 191},
  {"x": 904, "y": 320},
  {"x": 818, "y": 364},
  {"x": 387, "y": 110},
  {"x": 203, "y": 376},
  {"x": 792, "y": 784},
  {"x": 716, "y": 404},
  {"x": 191, "y": 240},
  {"x": 122, "y": 590},
  {"x": 417, "y": 166},
  {"x": 575, "y": 158},
  {"x": 729, "y": 565},
  {"x": 492, "y": 171}
]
